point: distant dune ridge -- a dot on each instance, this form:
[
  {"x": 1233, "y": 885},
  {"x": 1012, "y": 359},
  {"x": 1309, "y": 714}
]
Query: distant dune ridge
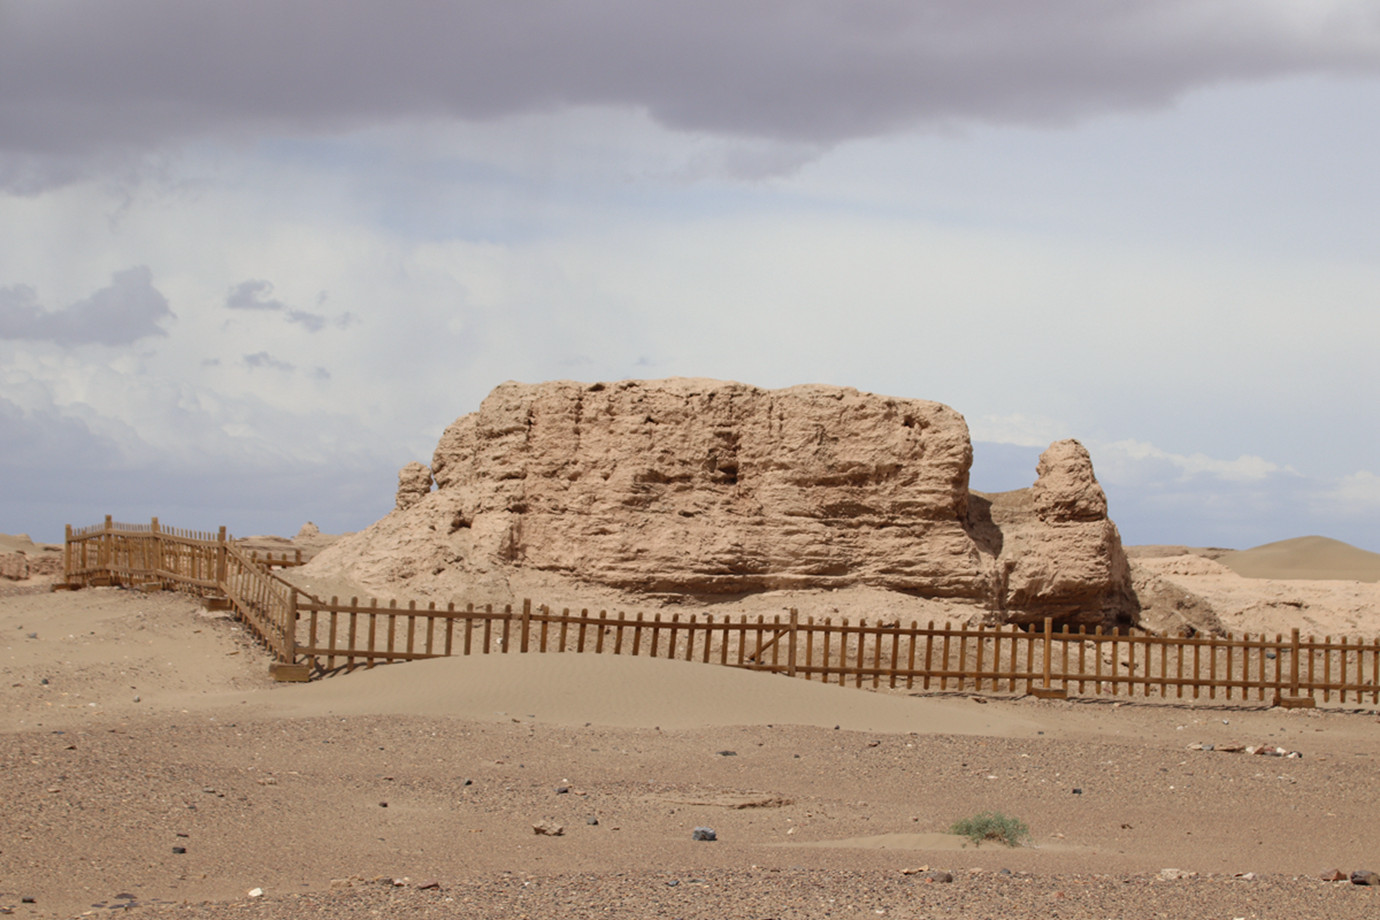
[{"x": 1318, "y": 558}]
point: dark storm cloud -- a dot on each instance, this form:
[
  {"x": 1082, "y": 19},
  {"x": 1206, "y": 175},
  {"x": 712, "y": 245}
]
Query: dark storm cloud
[
  {"x": 85, "y": 75},
  {"x": 128, "y": 310}
]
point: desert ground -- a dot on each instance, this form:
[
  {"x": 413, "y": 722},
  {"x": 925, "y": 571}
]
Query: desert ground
[{"x": 150, "y": 765}]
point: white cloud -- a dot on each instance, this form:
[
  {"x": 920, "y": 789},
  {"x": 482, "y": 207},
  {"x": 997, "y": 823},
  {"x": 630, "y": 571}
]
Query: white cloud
[
  {"x": 1122, "y": 459},
  {"x": 1355, "y": 495},
  {"x": 1023, "y": 430}
]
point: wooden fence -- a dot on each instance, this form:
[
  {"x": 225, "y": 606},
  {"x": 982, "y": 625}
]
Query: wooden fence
[
  {"x": 151, "y": 556},
  {"x": 311, "y": 637},
  {"x": 1045, "y": 662}
]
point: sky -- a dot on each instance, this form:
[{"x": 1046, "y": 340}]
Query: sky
[{"x": 256, "y": 256}]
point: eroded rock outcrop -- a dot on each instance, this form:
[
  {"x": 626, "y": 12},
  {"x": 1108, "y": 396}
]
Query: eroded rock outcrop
[
  {"x": 414, "y": 484},
  {"x": 1060, "y": 555},
  {"x": 698, "y": 487}
]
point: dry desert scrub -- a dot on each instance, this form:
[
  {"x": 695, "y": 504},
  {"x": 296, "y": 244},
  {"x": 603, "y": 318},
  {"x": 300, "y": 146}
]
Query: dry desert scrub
[{"x": 992, "y": 825}]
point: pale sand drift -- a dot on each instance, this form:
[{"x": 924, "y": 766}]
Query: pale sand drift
[{"x": 627, "y": 692}]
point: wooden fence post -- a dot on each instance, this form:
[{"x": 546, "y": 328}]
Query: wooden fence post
[
  {"x": 1049, "y": 628},
  {"x": 526, "y": 623},
  {"x": 220, "y": 558},
  {"x": 1294, "y": 663},
  {"x": 1046, "y": 691},
  {"x": 288, "y": 668},
  {"x": 790, "y": 647},
  {"x": 158, "y": 559}
]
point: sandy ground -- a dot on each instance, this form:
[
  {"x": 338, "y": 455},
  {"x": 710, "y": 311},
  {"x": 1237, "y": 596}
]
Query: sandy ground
[{"x": 147, "y": 764}]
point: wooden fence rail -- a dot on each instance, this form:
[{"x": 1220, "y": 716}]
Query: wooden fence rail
[
  {"x": 152, "y": 556},
  {"x": 312, "y": 637}
]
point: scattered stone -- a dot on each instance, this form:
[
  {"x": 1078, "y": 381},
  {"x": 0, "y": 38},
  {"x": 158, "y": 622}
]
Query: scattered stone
[
  {"x": 1334, "y": 875},
  {"x": 179, "y": 850},
  {"x": 548, "y": 829},
  {"x": 1175, "y": 875},
  {"x": 255, "y": 892},
  {"x": 562, "y": 790},
  {"x": 735, "y": 753},
  {"x": 1233, "y": 748},
  {"x": 592, "y": 821},
  {"x": 383, "y": 804},
  {"x": 703, "y": 833},
  {"x": 1364, "y": 877},
  {"x": 1245, "y": 876},
  {"x": 873, "y": 744},
  {"x": 430, "y": 884},
  {"x": 935, "y": 875}
]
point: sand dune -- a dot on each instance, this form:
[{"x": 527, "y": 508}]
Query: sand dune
[
  {"x": 1312, "y": 558},
  {"x": 630, "y": 692}
]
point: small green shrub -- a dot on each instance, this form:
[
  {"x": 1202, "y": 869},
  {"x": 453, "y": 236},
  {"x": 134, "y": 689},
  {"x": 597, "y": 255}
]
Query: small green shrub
[{"x": 992, "y": 825}]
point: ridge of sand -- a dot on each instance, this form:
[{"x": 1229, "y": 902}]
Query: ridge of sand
[
  {"x": 627, "y": 692},
  {"x": 1311, "y": 558}
]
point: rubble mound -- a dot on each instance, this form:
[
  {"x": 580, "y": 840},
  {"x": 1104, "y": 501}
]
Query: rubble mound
[{"x": 702, "y": 488}]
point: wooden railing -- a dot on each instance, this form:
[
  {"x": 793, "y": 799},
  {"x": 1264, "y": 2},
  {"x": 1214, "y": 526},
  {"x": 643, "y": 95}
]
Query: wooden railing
[
  {"x": 311, "y": 637},
  {"x": 153, "y": 556}
]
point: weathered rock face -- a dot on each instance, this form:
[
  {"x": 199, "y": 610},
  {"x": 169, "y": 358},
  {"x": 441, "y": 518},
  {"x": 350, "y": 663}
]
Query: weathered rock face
[
  {"x": 709, "y": 488},
  {"x": 1060, "y": 556},
  {"x": 703, "y": 487},
  {"x": 414, "y": 484}
]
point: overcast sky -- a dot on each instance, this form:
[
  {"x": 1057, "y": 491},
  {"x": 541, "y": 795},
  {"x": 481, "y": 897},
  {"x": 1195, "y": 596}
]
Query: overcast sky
[{"x": 255, "y": 256}]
